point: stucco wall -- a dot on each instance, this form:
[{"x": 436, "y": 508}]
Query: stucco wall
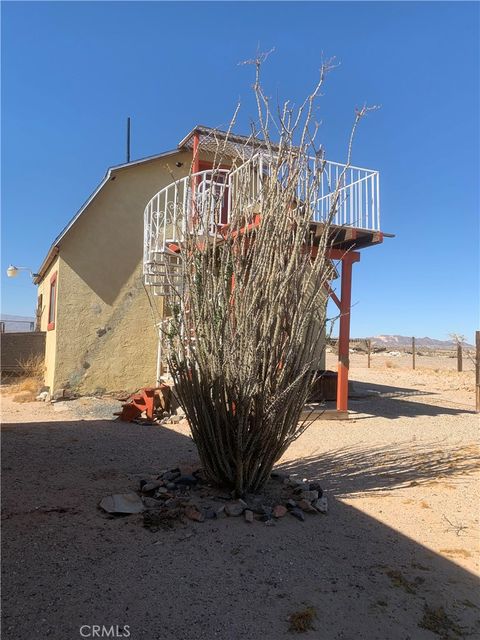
[
  {"x": 105, "y": 338},
  {"x": 50, "y": 336}
]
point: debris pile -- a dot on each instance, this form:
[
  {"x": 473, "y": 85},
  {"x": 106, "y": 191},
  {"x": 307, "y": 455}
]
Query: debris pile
[
  {"x": 150, "y": 405},
  {"x": 182, "y": 495}
]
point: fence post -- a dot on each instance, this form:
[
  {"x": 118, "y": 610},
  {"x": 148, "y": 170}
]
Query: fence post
[
  {"x": 2, "y": 327},
  {"x": 477, "y": 371},
  {"x": 459, "y": 357},
  {"x": 369, "y": 350},
  {"x": 413, "y": 353}
]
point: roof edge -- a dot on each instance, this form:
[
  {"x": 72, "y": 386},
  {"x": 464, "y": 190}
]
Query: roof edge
[{"x": 55, "y": 246}]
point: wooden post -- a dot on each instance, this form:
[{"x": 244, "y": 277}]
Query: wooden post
[
  {"x": 477, "y": 371},
  {"x": 369, "y": 347},
  {"x": 344, "y": 330},
  {"x": 459, "y": 357},
  {"x": 413, "y": 353}
]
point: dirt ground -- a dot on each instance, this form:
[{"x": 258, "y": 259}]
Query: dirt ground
[{"x": 397, "y": 552}]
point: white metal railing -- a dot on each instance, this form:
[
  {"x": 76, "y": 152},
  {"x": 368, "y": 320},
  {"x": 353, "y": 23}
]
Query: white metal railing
[{"x": 207, "y": 199}]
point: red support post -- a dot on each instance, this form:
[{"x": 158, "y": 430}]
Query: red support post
[
  {"x": 344, "y": 333},
  {"x": 196, "y": 154},
  {"x": 195, "y": 169}
]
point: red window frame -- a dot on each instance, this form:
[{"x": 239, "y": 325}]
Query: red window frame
[
  {"x": 52, "y": 302},
  {"x": 205, "y": 165}
]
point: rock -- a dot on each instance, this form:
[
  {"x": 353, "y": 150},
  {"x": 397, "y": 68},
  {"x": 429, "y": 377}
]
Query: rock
[
  {"x": 297, "y": 513},
  {"x": 174, "y": 419},
  {"x": 220, "y": 512},
  {"x": 280, "y": 475},
  {"x": 255, "y": 503},
  {"x": 172, "y": 503},
  {"x": 242, "y": 502},
  {"x": 309, "y": 495},
  {"x": 148, "y": 487},
  {"x": 161, "y": 491},
  {"x": 301, "y": 485},
  {"x": 188, "y": 481},
  {"x": 44, "y": 396},
  {"x": 234, "y": 509},
  {"x": 248, "y": 515},
  {"x": 291, "y": 504},
  {"x": 269, "y": 523},
  {"x": 194, "y": 514},
  {"x": 171, "y": 475},
  {"x": 59, "y": 394},
  {"x": 315, "y": 486},
  {"x": 300, "y": 488},
  {"x": 306, "y": 505},
  {"x": 151, "y": 503},
  {"x": 279, "y": 511},
  {"x": 210, "y": 514},
  {"x": 171, "y": 486},
  {"x": 321, "y": 504},
  {"x": 122, "y": 503}
]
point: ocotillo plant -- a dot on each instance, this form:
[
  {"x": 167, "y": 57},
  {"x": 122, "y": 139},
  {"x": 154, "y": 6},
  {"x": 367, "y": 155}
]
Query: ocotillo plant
[{"x": 247, "y": 326}]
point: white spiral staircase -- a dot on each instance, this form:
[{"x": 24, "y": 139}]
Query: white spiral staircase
[{"x": 206, "y": 199}]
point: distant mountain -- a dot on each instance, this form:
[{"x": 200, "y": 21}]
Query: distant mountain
[
  {"x": 16, "y": 323},
  {"x": 406, "y": 341}
]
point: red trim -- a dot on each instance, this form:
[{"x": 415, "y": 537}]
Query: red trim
[
  {"x": 196, "y": 154},
  {"x": 332, "y": 294},
  {"x": 52, "y": 308},
  {"x": 344, "y": 333},
  {"x": 340, "y": 254}
]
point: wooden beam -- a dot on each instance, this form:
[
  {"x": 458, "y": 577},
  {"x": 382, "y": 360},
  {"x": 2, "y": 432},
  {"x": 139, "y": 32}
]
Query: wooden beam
[
  {"x": 332, "y": 294},
  {"x": 344, "y": 332}
]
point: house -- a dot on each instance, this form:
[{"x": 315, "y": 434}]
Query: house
[{"x": 100, "y": 334}]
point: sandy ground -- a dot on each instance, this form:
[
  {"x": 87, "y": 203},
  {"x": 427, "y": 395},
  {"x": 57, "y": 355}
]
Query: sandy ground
[{"x": 401, "y": 534}]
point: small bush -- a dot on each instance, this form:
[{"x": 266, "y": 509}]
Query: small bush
[
  {"x": 33, "y": 367},
  {"x": 30, "y": 380},
  {"x": 302, "y": 621},
  {"x": 439, "y": 622}
]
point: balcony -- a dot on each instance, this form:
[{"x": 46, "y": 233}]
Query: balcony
[{"x": 347, "y": 196}]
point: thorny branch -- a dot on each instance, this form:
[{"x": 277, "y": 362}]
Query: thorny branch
[{"x": 247, "y": 329}]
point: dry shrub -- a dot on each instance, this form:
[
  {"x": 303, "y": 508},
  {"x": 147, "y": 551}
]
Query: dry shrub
[
  {"x": 30, "y": 380},
  {"x": 33, "y": 367},
  {"x": 302, "y": 621},
  {"x": 247, "y": 324},
  {"x": 438, "y": 621},
  {"x": 390, "y": 365}
]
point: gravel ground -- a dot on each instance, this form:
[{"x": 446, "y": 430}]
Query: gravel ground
[{"x": 401, "y": 535}]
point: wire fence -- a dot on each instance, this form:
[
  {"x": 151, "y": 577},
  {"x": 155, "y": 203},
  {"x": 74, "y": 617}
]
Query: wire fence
[
  {"x": 462, "y": 357},
  {"x": 17, "y": 326}
]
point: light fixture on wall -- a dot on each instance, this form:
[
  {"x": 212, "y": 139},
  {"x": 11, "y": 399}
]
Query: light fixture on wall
[{"x": 12, "y": 271}]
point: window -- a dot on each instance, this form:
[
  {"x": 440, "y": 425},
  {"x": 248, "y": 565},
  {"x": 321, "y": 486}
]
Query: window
[
  {"x": 52, "y": 302},
  {"x": 38, "y": 318}
]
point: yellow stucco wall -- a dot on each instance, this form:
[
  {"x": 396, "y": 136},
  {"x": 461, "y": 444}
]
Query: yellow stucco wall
[
  {"x": 105, "y": 338},
  {"x": 51, "y": 336}
]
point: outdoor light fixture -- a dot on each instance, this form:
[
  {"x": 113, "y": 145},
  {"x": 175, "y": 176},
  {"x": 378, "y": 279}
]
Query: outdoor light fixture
[{"x": 12, "y": 272}]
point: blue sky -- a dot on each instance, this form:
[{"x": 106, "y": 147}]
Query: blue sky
[{"x": 72, "y": 72}]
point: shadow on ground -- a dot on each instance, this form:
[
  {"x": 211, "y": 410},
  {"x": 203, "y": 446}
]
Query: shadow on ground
[
  {"x": 398, "y": 402},
  {"x": 66, "y": 564},
  {"x": 361, "y": 469}
]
